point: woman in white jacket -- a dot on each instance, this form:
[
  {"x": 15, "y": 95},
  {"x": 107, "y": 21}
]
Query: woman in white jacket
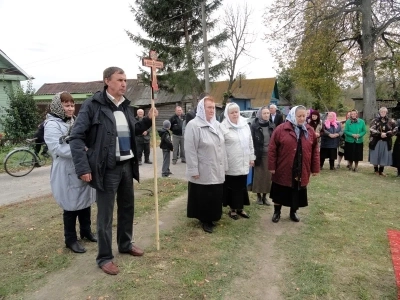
[{"x": 240, "y": 153}]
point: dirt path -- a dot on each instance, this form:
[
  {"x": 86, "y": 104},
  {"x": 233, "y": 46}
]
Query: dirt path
[
  {"x": 262, "y": 280},
  {"x": 84, "y": 271}
]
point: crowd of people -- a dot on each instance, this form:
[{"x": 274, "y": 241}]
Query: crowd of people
[{"x": 97, "y": 154}]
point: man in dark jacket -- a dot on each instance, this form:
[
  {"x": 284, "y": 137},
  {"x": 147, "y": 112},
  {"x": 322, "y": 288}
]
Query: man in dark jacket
[
  {"x": 276, "y": 117},
  {"x": 104, "y": 152},
  {"x": 177, "y": 137},
  {"x": 143, "y": 141}
]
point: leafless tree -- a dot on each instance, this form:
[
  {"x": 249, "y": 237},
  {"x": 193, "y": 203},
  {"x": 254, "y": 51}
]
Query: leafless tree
[{"x": 236, "y": 22}]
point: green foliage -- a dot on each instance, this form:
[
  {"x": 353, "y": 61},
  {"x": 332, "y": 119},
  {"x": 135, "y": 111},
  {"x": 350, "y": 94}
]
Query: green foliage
[
  {"x": 286, "y": 84},
  {"x": 317, "y": 67},
  {"x": 22, "y": 115},
  {"x": 388, "y": 76},
  {"x": 174, "y": 30},
  {"x": 360, "y": 35}
]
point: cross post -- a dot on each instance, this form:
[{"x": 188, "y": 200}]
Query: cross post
[{"x": 154, "y": 64}]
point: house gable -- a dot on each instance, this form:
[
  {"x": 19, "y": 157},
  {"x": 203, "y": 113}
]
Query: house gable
[
  {"x": 10, "y": 77},
  {"x": 259, "y": 92}
]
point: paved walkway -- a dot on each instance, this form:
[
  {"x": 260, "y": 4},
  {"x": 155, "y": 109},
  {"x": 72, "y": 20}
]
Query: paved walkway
[{"x": 37, "y": 183}]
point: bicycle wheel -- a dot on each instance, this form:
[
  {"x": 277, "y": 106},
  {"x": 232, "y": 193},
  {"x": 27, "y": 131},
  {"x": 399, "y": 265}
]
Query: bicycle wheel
[{"x": 19, "y": 163}]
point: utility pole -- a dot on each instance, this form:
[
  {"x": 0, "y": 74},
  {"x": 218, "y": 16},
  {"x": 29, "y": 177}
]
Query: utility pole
[{"x": 205, "y": 47}]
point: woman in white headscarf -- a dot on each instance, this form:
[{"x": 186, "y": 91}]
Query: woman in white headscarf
[
  {"x": 205, "y": 165},
  {"x": 293, "y": 156},
  {"x": 240, "y": 155}
]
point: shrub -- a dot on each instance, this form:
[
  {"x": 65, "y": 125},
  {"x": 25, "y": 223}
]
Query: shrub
[{"x": 22, "y": 115}]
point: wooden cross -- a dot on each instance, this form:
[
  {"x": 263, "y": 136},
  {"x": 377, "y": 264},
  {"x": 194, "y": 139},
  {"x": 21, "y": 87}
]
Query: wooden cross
[{"x": 154, "y": 64}]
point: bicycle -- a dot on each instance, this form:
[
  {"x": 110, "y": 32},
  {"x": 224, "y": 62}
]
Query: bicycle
[{"x": 22, "y": 160}]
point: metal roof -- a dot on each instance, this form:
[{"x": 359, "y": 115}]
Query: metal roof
[{"x": 139, "y": 94}]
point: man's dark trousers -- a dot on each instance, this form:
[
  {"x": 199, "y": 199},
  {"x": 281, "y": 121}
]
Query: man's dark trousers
[
  {"x": 143, "y": 146},
  {"x": 117, "y": 181}
]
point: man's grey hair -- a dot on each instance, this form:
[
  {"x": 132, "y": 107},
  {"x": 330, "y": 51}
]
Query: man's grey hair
[
  {"x": 273, "y": 106},
  {"x": 383, "y": 109},
  {"x": 107, "y": 73}
]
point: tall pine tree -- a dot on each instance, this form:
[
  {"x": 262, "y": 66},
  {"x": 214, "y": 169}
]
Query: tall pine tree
[{"x": 174, "y": 30}]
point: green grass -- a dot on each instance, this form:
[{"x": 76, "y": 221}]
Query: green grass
[
  {"x": 342, "y": 251},
  {"x": 4, "y": 150},
  {"x": 339, "y": 250}
]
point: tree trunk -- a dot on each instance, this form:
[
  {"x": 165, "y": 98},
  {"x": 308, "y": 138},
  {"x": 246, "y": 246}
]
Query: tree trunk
[
  {"x": 368, "y": 62},
  {"x": 190, "y": 62}
]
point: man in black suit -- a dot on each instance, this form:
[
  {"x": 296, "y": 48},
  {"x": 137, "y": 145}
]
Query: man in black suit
[{"x": 275, "y": 117}]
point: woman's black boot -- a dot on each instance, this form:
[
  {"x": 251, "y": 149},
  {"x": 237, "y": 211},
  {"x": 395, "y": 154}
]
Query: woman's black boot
[
  {"x": 277, "y": 213},
  {"x": 85, "y": 224},
  {"x": 293, "y": 215},
  {"x": 71, "y": 240}
]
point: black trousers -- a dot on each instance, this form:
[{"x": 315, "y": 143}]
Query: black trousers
[
  {"x": 39, "y": 146},
  {"x": 143, "y": 148},
  {"x": 70, "y": 223},
  {"x": 117, "y": 182}
]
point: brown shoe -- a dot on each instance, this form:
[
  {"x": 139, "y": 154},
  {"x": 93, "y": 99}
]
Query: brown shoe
[
  {"x": 136, "y": 251},
  {"x": 110, "y": 268},
  {"x": 382, "y": 174}
]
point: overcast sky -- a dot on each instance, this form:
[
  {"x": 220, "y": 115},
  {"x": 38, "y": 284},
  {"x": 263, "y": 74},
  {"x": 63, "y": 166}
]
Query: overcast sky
[{"x": 59, "y": 41}]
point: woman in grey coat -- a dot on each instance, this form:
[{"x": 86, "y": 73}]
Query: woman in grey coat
[
  {"x": 73, "y": 195},
  {"x": 205, "y": 165}
]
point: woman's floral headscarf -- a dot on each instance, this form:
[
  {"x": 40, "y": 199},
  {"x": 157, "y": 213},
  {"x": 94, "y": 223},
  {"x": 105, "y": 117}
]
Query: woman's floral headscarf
[
  {"x": 57, "y": 109},
  {"x": 291, "y": 117}
]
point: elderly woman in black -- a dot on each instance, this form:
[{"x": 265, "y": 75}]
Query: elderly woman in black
[
  {"x": 380, "y": 141},
  {"x": 396, "y": 149},
  {"x": 330, "y": 136},
  {"x": 261, "y": 131}
]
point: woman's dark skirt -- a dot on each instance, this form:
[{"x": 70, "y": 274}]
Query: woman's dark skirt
[
  {"x": 396, "y": 153},
  {"x": 330, "y": 153},
  {"x": 235, "y": 192},
  {"x": 288, "y": 196},
  {"x": 205, "y": 201},
  {"x": 354, "y": 151}
]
